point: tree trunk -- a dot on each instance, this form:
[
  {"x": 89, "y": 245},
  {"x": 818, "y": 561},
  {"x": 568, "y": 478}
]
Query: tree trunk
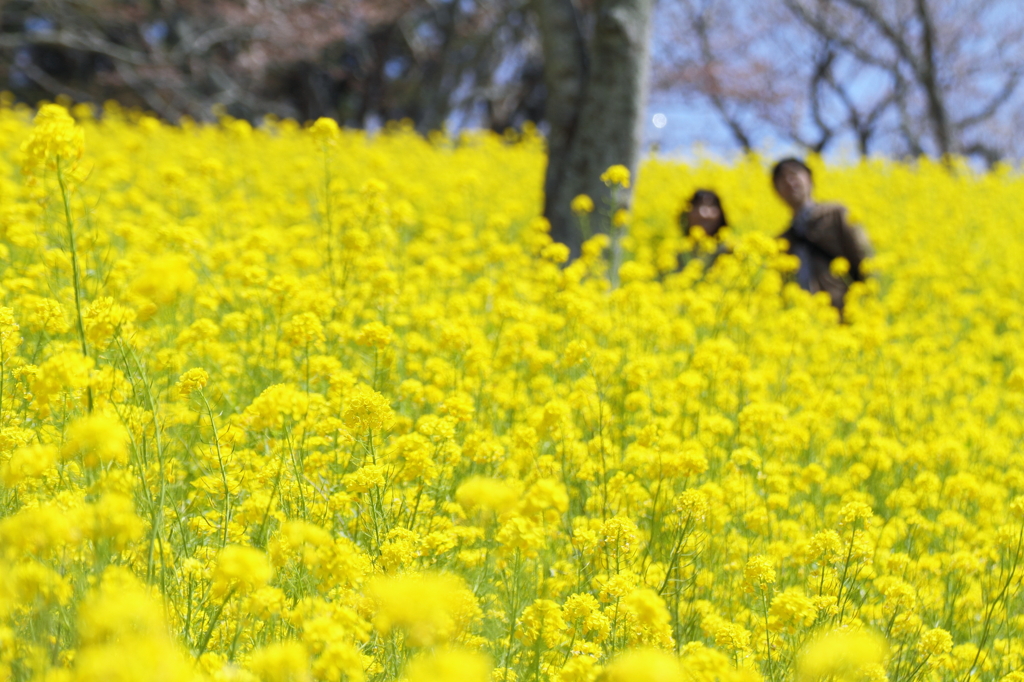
[
  {"x": 565, "y": 69},
  {"x": 929, "y": 80},
  {"x": 596, "y": 95}
]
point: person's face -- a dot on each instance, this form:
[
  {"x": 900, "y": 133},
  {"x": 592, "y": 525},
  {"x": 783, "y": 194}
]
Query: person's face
[
  {"x": 706, "y": 215},
  {"x": 794, "y": 186}
]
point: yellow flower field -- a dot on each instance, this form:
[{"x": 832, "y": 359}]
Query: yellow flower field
[{"x": 293, "y": 404}]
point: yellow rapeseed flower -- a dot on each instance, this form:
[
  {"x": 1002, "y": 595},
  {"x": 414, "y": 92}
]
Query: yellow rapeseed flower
[
  {"x": 449, "y": 665},
  {"x": 240, "y": 570},
  {"x": 56, "y": 140},
  {"x": 616, "y": 175},
  {"x": 430, "y": 429},
  {"x": 99, "y": 438},
  {"x": 644, "y": 665},
  {"x": 845, "y": 656},
  {"x": 191, "y": 381},
  {"x": 281, "y": 662},
  {"x": 582, "y": 205}
]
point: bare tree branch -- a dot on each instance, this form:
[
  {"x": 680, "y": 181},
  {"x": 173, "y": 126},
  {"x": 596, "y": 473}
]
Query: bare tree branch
[
  {"x": 990, "y": 109},
  {"x": 871, "y": 11},
  {"x": 822, "y": 71},
  {"x": 204, "y": 42},
  {"x": 699, "y": 23},
  {"x": 927, "y": 69},
  {"x": 74, "y": 40},
  {"x": 51, "y": 84},
  {"x": 828, "y": 31}
]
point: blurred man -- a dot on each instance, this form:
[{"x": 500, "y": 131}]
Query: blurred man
[{"x": 819, "y": 234}]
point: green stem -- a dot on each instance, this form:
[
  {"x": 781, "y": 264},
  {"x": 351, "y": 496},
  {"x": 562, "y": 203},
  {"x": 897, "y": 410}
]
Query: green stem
[
  {"x": 767, "y": 635},
  {"x": 223, "y": 470},
  {"x": 75, "y": 272},
  {"x": 213, "y": 623}
]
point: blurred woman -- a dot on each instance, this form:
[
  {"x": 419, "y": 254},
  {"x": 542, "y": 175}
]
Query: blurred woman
[{"x": 704, "y": 211}]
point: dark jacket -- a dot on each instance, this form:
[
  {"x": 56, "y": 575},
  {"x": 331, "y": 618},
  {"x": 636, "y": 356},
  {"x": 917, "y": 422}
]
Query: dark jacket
[{"x": 829, "y": 235}]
